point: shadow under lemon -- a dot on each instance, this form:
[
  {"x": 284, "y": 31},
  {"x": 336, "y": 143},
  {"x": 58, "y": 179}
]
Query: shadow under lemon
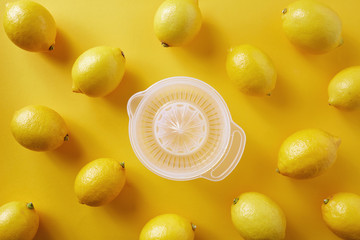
[
  {"x": 203, "y": 233},
  {"x": 128, "y": 86},
  {"x": 352, "y": 117},
  {"x": 291, "y": 230},
  {"x": 279, "y": 98},
  {"x": 208, "y": 43},
  {"x": 332, "y": 62},
  {"x": 47, "y": 228},
  {"x": 70, "y": 151},
  {"x": 125, "y": 203},
  {"x": 63, "y": 52},
  {"x": 203, "y": 44}
]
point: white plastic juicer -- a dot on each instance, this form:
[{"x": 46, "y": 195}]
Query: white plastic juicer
[{"x": 180, "y": 128}]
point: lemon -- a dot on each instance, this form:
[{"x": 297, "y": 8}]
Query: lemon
[
  {"x": 18, "y": 221},
  {"x": 99, "y": 182},
  {"x": 168, "y": 227},
  {"x": 344, "y": 89},
  {"x": 177, "y": 22},
  {"x": 312, "y": 26},
  {"x": 30, "y": 26},
  {"x": 341, "y": 213},
  {"x": 251, "y": 70},
  {"x": 98, "y": 71},
  {"x": 307, "y": 153},
  {"x": 39, "y": 128},
  {"x": 257, "y": 217}
]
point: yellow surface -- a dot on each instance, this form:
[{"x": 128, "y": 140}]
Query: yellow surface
[{"x": 99, "y": 127}]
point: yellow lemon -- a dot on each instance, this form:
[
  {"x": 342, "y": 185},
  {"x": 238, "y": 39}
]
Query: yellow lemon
[
  {"x": 168, "y": 227},
  {"x": 251, "y": 70},
  {"x": 307, "y": 153},
  {"x": 257, "y": 217},
  {"x": 99, "y": 182},
  {"x": 344, "y": 89},
  {"x": 30, "y": 26},
  {"x": 18, "y": 221},
  {"x": 39, "y": 128},
  {"x": 98, "y": 71},
  {"x": 341, "y": 213},
  {"x": 312, "y": 26},
  {"x": 177, "y": 22}
]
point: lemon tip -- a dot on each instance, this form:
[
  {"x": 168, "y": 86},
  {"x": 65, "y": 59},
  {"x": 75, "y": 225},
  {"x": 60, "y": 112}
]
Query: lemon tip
[
  {"x": 337, "y": 141},
  {"x": 341, "y": 41},
  {"x": 76, "y": 89}
]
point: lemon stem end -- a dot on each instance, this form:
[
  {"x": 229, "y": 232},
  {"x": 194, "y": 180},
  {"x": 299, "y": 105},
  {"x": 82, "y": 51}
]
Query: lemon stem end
[
  {"x": 284, "y": 11},
  {"x": 165, "y": 44},
  {"x": 122, "y": 164},
  {"x": 66, "y": 138},
  {"x": 326, "y": 201},
  {"x": 193, "y": 226},
  {"x": 277, "y": 170},
  {"x": 235, "y": 200},
  {"x": 30, "y": 205},
  {"x": 51, "y": 47}
]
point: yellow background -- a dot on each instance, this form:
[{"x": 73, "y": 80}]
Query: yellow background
[{"x": 99, "y": 126}]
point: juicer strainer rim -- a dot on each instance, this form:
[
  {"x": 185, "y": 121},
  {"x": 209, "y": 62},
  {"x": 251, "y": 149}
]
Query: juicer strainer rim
[{"x": 147, "y": 94}]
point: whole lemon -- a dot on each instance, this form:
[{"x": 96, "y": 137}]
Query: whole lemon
[
  {"x": 39, "y": 128},
  {"x": 99, "y": 182},
  {"x": 312, "y": 26},
  {"x": 30, "y": 26},
  {"x": 344, "y": 89},
  {"x": 98, "y": 71},
  {"x": 18, "y": 221},
  {"x": 168, "y": 227},
  {"x": 177, "y": 22},
  {"x": 341, "y": 213},
  {"x": 251, "y": 70},
  {"x": 307, "y": 153},
  {"x": 257, "y": 217}
]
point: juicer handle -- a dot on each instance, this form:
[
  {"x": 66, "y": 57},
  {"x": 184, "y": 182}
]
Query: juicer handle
[
  {"x": 231, "y": 157},
  {"x": 134, "y": 102}
]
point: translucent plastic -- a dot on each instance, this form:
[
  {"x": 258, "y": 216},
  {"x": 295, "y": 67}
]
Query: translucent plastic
[{"x": 181, "y": 129}]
